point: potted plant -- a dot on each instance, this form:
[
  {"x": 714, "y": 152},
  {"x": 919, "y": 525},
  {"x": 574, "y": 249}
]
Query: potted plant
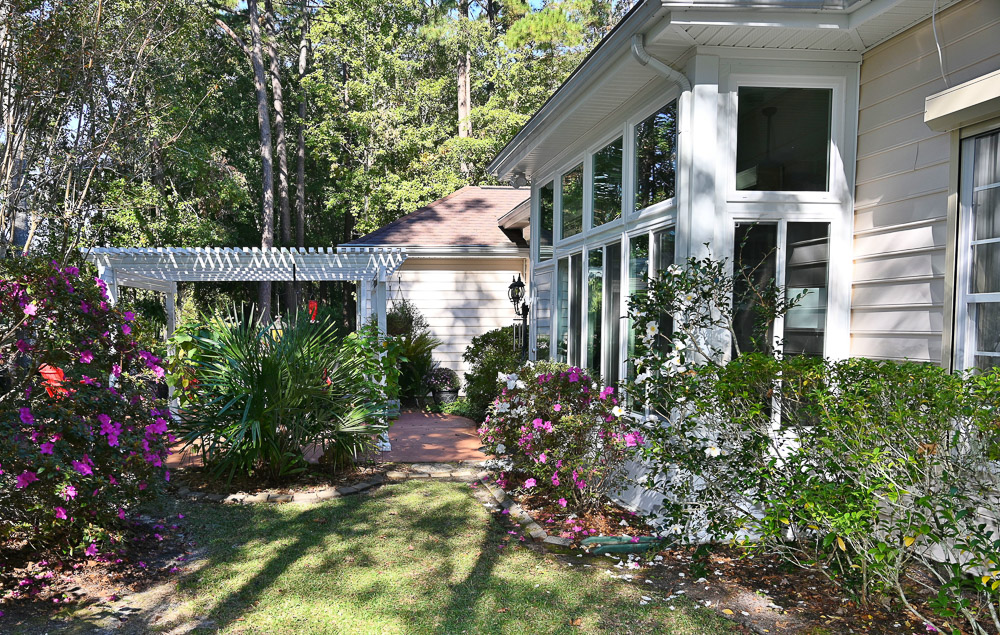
[{"x": 444, "y": 383}]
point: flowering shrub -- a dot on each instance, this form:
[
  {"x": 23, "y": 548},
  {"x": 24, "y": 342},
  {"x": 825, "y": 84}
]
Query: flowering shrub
[
  {"x": 865, "y": 471},
  {"x": 80, "y": 435},
  {"x": 561, "y": 431},
  {"x": 442, "y": 380}
]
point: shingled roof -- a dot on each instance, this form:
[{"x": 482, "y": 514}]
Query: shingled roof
[{"x": 464, "y": 218}]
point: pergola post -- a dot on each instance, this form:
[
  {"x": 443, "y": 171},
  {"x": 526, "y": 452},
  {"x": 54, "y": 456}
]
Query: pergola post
[
  {"x": 110, "y": 278},
  {"x": 381, "y": 300},
  {"x": 170, "y": 304}
]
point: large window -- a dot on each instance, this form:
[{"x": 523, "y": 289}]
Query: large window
[
  {"x": 783, "y": 139},
  {"x": 655, "y": 157},
  {"x": 562, "y": 310},
  {"x": 638, "y": 281},
  {"x": 612, "y": 310},
  {"x": 546, "y": 211},
  {"x": 607, "y": 182},
  {"x": 789, "y": 257},
  {"x": 979, "y": 249},
  {"x": 595, "y": 298},
  {"x": 575, "y": 307},
  {"x": 572, "y": 202}
]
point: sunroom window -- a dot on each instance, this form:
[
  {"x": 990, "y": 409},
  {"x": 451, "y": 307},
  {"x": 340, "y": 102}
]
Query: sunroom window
[
  {"x": 607, "y": 183},
  {"x": 783, "y": 139},
  {"x": 979, "y": 250},
  {"x": 572, "y": 202},
  {"x": 655, "y": 157},
  {"x": 546, "y": 211}
]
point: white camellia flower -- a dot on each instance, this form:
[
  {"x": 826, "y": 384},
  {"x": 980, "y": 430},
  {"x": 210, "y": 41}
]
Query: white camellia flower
[
  {"x": 674, "y": 270},
  {"x": 676, "y": 528},
  {"x": 679, "y": 345},
  {"x": 512, "y": 382},
  {"x": 501, "y": 448},
  {"x": 617, "y": 411},
  {"x": 652, "y": 329},
  {"x": 712, "y": 451}
]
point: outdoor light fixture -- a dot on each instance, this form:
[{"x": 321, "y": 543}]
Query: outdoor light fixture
[
  {"x": 518, "y": 180},
  {"x": 515, "y": 293}
]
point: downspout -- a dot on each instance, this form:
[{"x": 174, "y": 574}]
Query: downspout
[{"x": 644, "y": 58}]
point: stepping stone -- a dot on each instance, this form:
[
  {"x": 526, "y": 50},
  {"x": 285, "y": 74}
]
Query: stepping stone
[
  {"x": 432, "y": 468},
  {"x": 256, "y": 498},
  {"x": 326, "y": 494},
  {"x": 440, "y": 474},
  {"x": 397, "y": 476},
  {"x": 279, "y": 498},
  {"x": 346, "y": 491},
  {"x": 559, "y": 542}
]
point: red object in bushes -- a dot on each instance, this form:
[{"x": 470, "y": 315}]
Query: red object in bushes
[
  {"x": 313, "y": 309},
  {"x": 54, "y": 380}
]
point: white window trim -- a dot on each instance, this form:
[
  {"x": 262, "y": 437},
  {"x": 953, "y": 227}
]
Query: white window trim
[
  {"x": 965, "y": 336},
  {"x": 835, "y": 169},
  {"x": 651, "y": 107}
]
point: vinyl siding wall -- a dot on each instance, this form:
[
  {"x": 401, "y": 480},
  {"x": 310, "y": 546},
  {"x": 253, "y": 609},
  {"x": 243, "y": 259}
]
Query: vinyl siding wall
[
  {"x": 903, "y": 174},
  {"x": 459, "y": 297}
]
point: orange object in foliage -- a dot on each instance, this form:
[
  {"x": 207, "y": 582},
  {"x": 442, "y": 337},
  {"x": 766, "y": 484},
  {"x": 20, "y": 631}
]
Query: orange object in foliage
[
  {"x": 313, "y": 309},
  {"x": 54, "y": 380}
]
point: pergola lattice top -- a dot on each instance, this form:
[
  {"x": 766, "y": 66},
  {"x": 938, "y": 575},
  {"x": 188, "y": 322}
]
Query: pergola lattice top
[{"x": 160, "y": 268}]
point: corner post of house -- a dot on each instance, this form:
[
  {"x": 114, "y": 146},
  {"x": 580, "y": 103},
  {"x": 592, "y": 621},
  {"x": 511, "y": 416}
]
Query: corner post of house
[{"x": 110, "y": 279}]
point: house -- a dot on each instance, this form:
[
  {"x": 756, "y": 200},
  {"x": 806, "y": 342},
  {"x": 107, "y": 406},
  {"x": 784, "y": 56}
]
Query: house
[
  {"x": 848, "y": 146},
  {"x": 462, "y": 252}
]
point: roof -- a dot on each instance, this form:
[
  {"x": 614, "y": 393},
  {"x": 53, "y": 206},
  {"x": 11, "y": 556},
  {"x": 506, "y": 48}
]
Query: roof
[
  {"x": 829, "y": 30},
  {"x": 465, "y": 218}
]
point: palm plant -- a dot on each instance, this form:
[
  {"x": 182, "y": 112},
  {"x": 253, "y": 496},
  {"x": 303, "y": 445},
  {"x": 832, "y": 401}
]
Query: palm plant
[{"x": 267, "y": 391}]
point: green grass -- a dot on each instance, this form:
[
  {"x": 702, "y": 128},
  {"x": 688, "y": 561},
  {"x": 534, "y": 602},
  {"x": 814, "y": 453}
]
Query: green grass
[{"x": 419, "y": 557}]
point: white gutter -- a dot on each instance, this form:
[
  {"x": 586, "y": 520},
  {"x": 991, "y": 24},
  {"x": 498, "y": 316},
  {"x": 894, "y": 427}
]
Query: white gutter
[{"x": 644, "y": 58}]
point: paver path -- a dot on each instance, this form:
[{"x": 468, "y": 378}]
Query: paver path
[{"x": 421, "y": 437}]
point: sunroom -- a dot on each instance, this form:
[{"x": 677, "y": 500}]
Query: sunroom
[{"x": 659, "y": 148}]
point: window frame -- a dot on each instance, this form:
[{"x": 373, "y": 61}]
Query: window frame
[
  {"x": 964, "y": 326},
  {"x": 837, "y": 187},
  {"x": 628, "y": 193}
]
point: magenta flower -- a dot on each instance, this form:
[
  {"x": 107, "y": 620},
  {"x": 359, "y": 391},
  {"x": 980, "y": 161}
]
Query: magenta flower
[
  {"x": 157, "y": 427},
  {"x": 116, "y": 370},
  {"x": 91, "y": 550},
  {"x": 530, "y": 483},
  {"x": 25, "y": 479},
  {"x": 129, "y": 316},
  {"x": 26, "y": 417},
  {"x": 557, "y": 407},
  {"x": 69, "y": 492},
  {"x": 126, "y": 329},
  {"x": 562, "y": 502},
  {"x": 60, "y": 513},
  {"x": 31, "y": 309},
  {"x": 542, "y": 458},
  {"x": 86, "y": 357},
  {"x": 46, "y": 448},
  {"x": 121, "y": 513},
  {"x": 23, "y": 346},
  {"x": 82, "y": 468},
  {"x": 555, "y": 479}
]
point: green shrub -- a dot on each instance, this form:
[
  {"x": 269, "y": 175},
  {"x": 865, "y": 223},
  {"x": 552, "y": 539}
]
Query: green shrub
[
  {"x": 488, "y": 355},
  {"x": 865, "y": 471},
  {"x": 562, "y": 432},
  {"x": 458, "y": 407},
  {"x": 82, "y": 439},
  {"x": 265, "y": 392},
  {"x": 405, "y": 323}
]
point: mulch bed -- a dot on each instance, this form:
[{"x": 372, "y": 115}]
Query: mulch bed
[{"x": 200, "y": 479}]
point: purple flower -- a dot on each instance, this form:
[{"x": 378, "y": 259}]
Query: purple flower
[
  {"x": 91, "y": 550},
  {"x": 69, "y": 492},
  {"x": 159, "y": 427},
  {"x": 129, "y": 316},
  {"x": 26, "y": 417},
  {"x": 86, "y": 357},
  {"x": 562, "y": 502},
  {"x": 31, "y": 309},
  {"x": 542, "y": 458},
  {"x": 23, "y": 346},
  {"x": 126, "y": 329},
  {"x": 46, "y": 448},
  {"x": 116, "y": 370},
  {"x": 60, "y": 513},
  {"x": 103, "y": 419},
  {"x": 530, "y": 483},
  {"x": 82, "y": 468},
  {"x": 555, "y": 479},
  {"x": 25, "y": 479}
]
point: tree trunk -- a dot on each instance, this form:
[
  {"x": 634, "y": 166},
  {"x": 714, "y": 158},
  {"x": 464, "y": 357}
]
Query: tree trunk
[
  {"x": 267, "y": 166},
  {"x": 300, "y": 154},
  {"x": 464, "y": 85}
]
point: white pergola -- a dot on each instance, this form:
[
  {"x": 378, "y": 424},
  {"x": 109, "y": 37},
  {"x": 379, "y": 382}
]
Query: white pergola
[{"x": 161, "y": 268}]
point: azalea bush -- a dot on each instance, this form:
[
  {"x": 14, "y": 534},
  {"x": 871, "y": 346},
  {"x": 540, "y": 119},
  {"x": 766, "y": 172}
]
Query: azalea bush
[
  {"x": 560, "y": 431},
  {"x": 266, "y": 392},
  {"x": 879, "y": 475},
  {"x": 81, "y": 438}
]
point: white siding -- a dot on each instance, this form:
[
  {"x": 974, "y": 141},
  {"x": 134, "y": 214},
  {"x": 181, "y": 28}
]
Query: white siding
[
  {"x": 459, "y": 297},
  {"x": 900, "y": 225}
]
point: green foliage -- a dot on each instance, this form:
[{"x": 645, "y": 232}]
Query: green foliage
[
  {"x": 416, "y": 362},
  {"x": 862, "y": 470},
  {"x": 443, "y": 379},
  {"x": 560, "y": 432},
  {"x": 75, "y": 450},
  {"x": 460, "y": 407},
  {"x": 488, "y": 355},
  {"x": 404, "y": 318},
  {"x": 265, "y": 392}
]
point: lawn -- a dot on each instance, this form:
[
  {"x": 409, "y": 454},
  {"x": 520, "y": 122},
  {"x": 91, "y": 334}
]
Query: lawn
[{"x": 419, "y": 557}]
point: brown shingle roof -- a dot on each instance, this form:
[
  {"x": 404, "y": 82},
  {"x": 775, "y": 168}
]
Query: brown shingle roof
[{"x": 464, "y": 218}]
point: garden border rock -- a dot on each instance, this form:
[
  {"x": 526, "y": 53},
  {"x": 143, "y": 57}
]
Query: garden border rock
[{"x": 463, "y": 473}]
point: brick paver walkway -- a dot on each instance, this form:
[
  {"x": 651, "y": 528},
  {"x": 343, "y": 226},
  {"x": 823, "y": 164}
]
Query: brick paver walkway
[{"x": 421, "y": 437}]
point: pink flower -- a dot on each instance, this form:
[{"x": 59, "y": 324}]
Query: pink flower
[
  {"x": 126, "y": 329},
  {"x": 542, "y": 458},
  {"x": 581, "y": 484},
  {"x": 25, "y": 479},
  {"x": 530, "y": 483},
  {"x": 158, "y": 427},
  {"x": 557, "y": 407},
  {"x": 46, "y": 448},
  {"x": 31, "y": 309},
  {"x": 26, "y": 417},
  {"x": 166, "y": 475},
  {"x": 555, "y": 479},
  {"x": 23, "y": 346},
  {"x": 630, "y": 440},
  {"x": 142, "y": 486},
  {"x": 60, "y": 513},
  {"x": 559, "y": 464},
  {"x": 562, "y": 502},
  {"x": 82, "y": 468},
  {"x": 121, "y": 513},
  {"x": 116, "y": 370},
  {"x": 129, "y": 316},
  {"x": 86, "y": 357},
  {"x": 91, "y": 550},
  {"x": 69, "y": 492}
]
